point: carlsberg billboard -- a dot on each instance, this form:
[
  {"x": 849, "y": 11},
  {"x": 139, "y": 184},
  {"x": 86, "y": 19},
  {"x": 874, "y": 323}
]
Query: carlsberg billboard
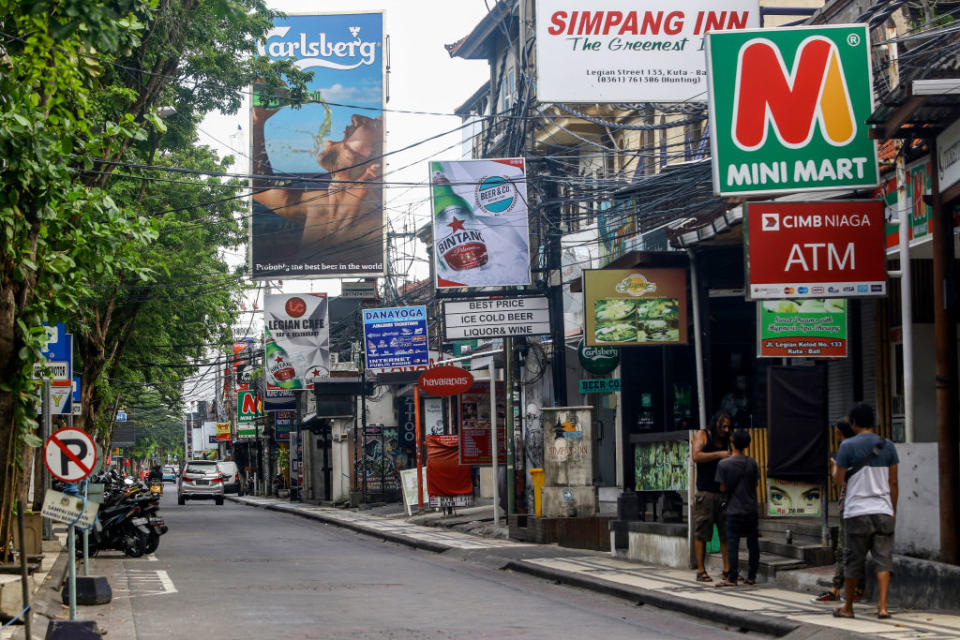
[
  {"x": 318, "y": 168},
  {"x": 788, "y": 110}
]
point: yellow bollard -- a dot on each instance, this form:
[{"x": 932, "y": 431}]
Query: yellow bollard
[{"x": 537, "y": 475}]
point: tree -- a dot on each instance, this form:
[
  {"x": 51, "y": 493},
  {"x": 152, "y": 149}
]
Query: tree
[
  {"x": 195, "y": 57},
  {"x": 81, "y": 84},
  {"x": 50, "y": 223}
]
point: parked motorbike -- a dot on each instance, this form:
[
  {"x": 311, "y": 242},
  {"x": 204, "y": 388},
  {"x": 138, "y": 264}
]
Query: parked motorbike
[{"x": 128, "y": 519}]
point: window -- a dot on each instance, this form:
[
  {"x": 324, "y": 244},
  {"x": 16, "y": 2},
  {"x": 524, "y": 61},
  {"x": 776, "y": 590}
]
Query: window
[{"x": 508, "y": 87}]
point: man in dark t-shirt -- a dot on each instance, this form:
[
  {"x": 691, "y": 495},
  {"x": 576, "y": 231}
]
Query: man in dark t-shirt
[
  {"x": 738, "y": 476},
  {"x": 709, "y": 447}
]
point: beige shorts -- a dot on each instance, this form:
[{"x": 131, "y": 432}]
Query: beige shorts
[{"x": 709, "y": 508}]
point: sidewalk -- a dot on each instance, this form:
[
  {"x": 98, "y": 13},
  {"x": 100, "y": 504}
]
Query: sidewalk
[
  {"x": 763, "y": 608},
  {"x": 10, "y": 590}
]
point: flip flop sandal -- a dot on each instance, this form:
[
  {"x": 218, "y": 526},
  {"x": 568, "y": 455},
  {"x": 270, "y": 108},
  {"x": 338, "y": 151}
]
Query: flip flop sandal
[
  {"x": 837, "y": 614},
  {"x": 725, "y": 583},
  {"x": 703, "y": 576},
  {"x": 883, "y": 616},
  {"x": 750, "y": 582}
]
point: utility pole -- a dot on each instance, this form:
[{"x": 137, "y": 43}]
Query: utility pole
[
  {"x": 558, "y": 363},
  {"x": 945, "y": 333}
]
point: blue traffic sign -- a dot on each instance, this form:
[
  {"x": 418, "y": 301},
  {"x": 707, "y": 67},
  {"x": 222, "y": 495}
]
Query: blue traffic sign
[{"x": 395, "y": 337}]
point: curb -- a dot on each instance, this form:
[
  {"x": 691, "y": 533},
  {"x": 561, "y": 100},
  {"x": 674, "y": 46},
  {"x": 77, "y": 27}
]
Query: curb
[
  {"x": 424, "y": 545},
  {"x": 712, "y": 612},
  {"x": 744, "y": 620}
]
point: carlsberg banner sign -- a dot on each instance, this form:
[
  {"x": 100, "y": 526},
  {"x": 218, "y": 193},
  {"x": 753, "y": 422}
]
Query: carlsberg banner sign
[{"x": 788, "y": 110}]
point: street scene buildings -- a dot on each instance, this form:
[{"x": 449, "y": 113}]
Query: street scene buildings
[{"x": 667, "y": 237}]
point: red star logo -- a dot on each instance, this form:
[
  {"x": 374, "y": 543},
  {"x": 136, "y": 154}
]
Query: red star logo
[
  {"x": 456, "y": 225},
  {"x": 279, "y": 359},
  {"x": 316, "y": 373}
]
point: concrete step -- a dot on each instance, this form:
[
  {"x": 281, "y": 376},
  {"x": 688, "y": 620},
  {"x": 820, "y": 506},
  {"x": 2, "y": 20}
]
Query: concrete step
[
  {"x": 809, "y": 527},
  {"x": 813, "y": 554},
  {"x": 770, "y": 565}
]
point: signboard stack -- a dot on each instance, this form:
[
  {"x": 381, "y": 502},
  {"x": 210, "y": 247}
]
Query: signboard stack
[
  {"x": 396, "y": 337},
  {"x": 496, "y": 318},
  {"x": 815, "y": 249},
  {"x": 635, "y": 307}
]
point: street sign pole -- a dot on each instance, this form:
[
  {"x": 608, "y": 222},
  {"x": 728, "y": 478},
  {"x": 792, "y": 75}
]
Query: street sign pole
[
  {"x": 86, "y": 538},
  {"x": 72, "y": 566},
  {"x": 71, "y": 455},
  {"x": 419, "y": 452},
  {"x": 508, "y": 427},
  {"x": 46, "y": 428},
  {"x": 492, "y": 368}
]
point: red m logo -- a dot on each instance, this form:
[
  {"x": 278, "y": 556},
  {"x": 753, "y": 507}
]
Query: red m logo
[
  {"x": 792, "y": 102},
  {"x": 249, "y": 405}
]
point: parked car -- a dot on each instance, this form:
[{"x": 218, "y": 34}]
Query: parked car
[
  {"x": 169, "y": 473},
  {"x": 231, "y": 477},
  {"x": 200, "y": 479}
]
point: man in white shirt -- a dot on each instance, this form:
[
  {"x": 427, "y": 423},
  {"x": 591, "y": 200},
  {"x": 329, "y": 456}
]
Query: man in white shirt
[{"x": 868, "y": 464}]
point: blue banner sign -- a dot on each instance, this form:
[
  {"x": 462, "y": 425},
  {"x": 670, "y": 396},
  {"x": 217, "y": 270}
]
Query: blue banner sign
[{"x": 395, "y": 337}]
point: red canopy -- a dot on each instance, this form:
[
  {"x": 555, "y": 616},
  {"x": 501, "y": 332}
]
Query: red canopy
[{"x": 446, "y": 477}]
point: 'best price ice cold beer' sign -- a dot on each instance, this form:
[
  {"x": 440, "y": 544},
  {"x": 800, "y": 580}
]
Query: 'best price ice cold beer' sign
[{"x": 815, "y": 249}]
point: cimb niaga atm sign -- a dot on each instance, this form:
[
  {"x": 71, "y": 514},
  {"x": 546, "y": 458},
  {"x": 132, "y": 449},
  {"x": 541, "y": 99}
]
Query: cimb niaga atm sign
[{"x": 815, "y": 249}]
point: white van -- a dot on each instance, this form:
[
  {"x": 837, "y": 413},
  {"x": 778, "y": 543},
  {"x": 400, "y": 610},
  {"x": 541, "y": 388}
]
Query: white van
[{"x": 231, "y": 477}]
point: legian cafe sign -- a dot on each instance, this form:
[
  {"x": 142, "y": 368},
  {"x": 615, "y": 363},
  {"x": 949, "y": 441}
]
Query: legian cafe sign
[{"x": 788, "y": 109}]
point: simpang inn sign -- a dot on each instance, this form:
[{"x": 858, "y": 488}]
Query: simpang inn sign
[
  {"x": 630, "y": 50},
  {"x": 788, "y": 109}
]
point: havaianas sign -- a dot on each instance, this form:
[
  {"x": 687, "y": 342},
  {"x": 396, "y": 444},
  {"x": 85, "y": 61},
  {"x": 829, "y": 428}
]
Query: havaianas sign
[{"x": 788, "y": 110}]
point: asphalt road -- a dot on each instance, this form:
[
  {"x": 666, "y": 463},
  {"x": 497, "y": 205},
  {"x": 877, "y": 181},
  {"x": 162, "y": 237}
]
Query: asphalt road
[{"x": 236, "y": 572}]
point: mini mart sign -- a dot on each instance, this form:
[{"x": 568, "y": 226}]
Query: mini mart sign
[{"x": 788, "y": 109}]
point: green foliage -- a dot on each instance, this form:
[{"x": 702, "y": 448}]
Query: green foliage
[
  {"x": 133, "y": 266},
  {"x": 54, "y": 232}
]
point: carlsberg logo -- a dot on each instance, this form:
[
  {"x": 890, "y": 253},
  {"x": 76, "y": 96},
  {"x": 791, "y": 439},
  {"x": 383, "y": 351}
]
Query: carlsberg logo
[{"x": 318, "y": 53}]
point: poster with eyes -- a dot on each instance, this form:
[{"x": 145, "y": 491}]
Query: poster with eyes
[{"x": 793, "y": 498}]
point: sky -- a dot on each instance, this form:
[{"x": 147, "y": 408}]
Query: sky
[{"x": 422, "y": 78}]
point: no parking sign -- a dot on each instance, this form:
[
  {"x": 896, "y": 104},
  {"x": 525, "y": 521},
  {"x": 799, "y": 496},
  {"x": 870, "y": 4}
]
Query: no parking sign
[{"x": 70, "y": 454}]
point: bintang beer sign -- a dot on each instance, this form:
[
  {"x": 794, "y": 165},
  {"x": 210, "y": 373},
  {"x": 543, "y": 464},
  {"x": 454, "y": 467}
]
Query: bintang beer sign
[
  {"x": 788, "y": 109},
  {"x": 480, "y": 227},
  {"x": 829, "y": 249}
]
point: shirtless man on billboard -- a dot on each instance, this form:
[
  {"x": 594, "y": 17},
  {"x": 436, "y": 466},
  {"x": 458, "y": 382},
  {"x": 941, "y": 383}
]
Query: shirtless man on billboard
[{"x": 347, "y": 210}]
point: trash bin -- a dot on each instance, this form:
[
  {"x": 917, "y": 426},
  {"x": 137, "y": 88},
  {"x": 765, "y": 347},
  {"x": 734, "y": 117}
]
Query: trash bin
[{"x": 537, "y": 475}]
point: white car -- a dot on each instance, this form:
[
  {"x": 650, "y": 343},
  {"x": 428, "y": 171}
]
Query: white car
[{"x": 200, "y": 479}]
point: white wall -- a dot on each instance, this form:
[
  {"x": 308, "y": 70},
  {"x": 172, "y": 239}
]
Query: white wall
[
  {"x": 918, "y": 509},
  {"x": 924, "y": 383}
]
